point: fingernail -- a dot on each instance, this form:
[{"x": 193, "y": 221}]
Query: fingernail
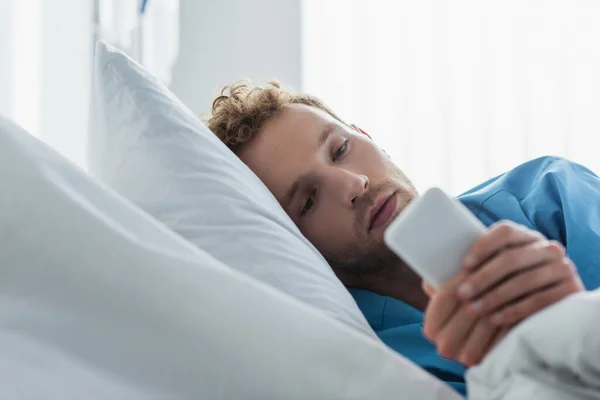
[
  {"x": 469, "y": 262},
  {"x": 497, "y": 318},
  {"x": 465, "y": 291}
]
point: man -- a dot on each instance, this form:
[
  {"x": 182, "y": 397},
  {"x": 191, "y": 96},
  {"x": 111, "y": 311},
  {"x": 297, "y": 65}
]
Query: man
[{"x": 342, "y": 191}]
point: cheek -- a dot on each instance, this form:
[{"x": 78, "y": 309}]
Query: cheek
[
  {"x": 386, "y": 165},
  {"x": 371, "y": 160},
  {"x": 330, "y": 230},
  {"x": 381, "y": 170}
]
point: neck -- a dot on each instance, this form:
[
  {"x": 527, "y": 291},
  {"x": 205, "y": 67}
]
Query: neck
[{"x": 400, "y": 283}]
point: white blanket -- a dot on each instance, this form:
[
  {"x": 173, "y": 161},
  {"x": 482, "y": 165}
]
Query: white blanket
[{"x": 554, "y": 355}]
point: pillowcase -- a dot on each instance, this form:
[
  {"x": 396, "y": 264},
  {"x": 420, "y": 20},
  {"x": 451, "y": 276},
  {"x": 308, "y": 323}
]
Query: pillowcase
[
  {"x": 100, "y": 301},
  {"x": 150, "y": 148}
]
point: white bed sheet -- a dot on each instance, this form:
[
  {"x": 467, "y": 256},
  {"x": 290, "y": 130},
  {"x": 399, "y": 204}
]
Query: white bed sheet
[{"x": 100, "y": 301}]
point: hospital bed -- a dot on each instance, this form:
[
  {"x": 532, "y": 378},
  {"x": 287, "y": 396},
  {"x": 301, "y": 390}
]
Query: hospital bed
[{"x": 168, "y": 271}]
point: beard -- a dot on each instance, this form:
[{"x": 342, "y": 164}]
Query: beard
[
  {"x": 370, "y": 257},
  {"x": 372, "y": 269},
  {"x": 372, "y": 262}
]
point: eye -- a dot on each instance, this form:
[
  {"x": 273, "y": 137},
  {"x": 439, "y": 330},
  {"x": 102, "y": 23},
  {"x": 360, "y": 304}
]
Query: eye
[
  {"x": 308, "y": 204},
  {"x": 340, "y": 151}
]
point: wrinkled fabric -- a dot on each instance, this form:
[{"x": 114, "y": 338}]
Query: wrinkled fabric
[
  {"x": 151, "y": 149},
  {"x": 100, "y": 301},
  {"x": 554, "y": 355}
]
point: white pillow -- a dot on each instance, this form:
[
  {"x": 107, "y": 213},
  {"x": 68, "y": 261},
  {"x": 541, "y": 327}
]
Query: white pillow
[
  {"x": 100, "y": 301},
  {"x": 154, "y": 151}
]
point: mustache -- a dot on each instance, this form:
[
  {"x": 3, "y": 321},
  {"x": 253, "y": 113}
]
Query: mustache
[{"x": 366, "y": 201}]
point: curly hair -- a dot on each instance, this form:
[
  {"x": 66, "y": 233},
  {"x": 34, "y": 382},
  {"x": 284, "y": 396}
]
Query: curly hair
[{"x": 241, "y": 110}]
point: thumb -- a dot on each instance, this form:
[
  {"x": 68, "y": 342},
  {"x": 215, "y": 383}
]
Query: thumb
[{"x": 429, "y": 290}]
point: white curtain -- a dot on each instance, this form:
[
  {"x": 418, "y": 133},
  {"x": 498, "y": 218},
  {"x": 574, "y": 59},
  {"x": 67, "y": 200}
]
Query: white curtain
[
  {"x": 457, "y": 91},
  {"x": 45, "y": 70},
  {"x": 20, "y": 62},
  {"x": 46, "y": 55}
]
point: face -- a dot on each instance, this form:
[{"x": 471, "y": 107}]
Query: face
[{"x": 339, "y": 188}]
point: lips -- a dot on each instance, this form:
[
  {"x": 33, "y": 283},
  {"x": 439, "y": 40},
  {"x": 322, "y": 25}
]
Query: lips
[{"x": 382, "y": 211}]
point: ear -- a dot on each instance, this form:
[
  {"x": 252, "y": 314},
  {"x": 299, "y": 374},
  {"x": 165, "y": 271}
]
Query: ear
[{"x": 361, "y": 131}]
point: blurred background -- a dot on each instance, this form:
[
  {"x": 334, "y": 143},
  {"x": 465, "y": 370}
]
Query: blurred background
[{"x": 456, "y": 91}]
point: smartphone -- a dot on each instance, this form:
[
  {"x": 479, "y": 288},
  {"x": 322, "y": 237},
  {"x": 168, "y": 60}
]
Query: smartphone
[{"x": 433, "y": 234}]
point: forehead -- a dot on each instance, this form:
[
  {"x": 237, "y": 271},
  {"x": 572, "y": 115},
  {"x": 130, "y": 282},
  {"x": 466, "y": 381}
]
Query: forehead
[
  {"x": 298, "y": 124},
  {"x": 287, "y": 146}
]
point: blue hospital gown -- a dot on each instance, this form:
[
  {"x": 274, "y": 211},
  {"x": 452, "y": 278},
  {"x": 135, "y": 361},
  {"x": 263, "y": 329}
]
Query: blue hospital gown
[{"x": 559, "y": 198}]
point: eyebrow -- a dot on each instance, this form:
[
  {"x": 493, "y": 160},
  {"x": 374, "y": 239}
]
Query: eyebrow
[
  {"x": 329, "y": 128},
  {"x": 327, "y": 131}
]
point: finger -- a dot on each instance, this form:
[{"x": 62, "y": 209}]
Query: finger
[
  {"x": 452, "y": 337},
  {"x": 428, "y": 289},
  {"x": 478, "y": 343},
  {"x": 520, "y": 285},
  {"x": 501, "y": 235},
  {"x": 441, "y": 307},
  {"x": 508, "y": 262},
  {"x": 514, "y": 313},
  {"x": 438, "y": 313}
]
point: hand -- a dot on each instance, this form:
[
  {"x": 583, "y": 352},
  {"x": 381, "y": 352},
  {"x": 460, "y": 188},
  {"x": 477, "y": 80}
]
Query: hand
[
  {"x": 514, "y": 272},
  {"x": 457, "y": 333}
]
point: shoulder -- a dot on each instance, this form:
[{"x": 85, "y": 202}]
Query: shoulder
[
  {"x": 502, "y": 196},
  {"x": 520, "y": 180}
]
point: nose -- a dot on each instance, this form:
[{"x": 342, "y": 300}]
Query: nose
[{"x": 348, "y": 186}]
